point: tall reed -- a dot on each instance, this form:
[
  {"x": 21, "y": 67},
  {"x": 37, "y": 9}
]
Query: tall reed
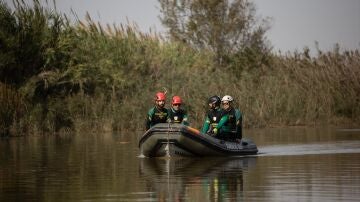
[
  {"x": 89, "y": 77},
  {"x": 12, "y": 111}
]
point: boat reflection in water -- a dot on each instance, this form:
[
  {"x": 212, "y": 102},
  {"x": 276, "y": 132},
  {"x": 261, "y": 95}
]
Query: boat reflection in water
[{"x": 195, "y": 179}]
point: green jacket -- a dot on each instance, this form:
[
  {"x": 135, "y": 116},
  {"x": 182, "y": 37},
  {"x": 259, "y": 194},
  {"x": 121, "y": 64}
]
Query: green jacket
[
  {"x": 234, "y": 117},
  {"x": 214, "y": 119},
  {"x": 232, "y": 129},
  {"x": 155, "y": 116},
  {"x": 179, "y": 116}
]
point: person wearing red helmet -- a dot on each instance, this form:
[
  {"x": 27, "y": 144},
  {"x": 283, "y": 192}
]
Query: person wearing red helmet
[
  {"x": 158, "y": 113},
  {"x": 176, "y": 114}
]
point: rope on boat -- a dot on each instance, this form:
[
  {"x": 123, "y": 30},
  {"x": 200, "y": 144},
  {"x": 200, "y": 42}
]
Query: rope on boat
[{"x": 167, "y": 147}]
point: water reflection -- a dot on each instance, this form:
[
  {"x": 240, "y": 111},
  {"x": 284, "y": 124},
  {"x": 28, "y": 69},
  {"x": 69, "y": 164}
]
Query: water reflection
[
  {"x": 301, "y": 135},
  {"x": 303, "y": 165},
  {"x": 205, "y": 179}
]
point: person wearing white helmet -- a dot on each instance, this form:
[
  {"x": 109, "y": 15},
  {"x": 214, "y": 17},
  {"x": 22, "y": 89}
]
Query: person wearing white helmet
[{"x": 232, "y": 129}]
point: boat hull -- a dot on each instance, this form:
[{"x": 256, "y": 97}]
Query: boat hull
[{"x": 179, "y": 140}]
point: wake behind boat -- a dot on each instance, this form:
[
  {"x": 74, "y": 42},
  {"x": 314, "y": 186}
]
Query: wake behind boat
[{"x": 166, "y": 139}]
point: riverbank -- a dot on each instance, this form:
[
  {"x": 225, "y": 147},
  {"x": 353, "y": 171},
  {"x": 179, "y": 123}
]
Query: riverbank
[{"x": 58, "y": 77}]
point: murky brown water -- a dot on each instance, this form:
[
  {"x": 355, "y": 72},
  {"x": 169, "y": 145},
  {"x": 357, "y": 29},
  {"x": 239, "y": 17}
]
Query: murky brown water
[{"x": 295, "y": 164}]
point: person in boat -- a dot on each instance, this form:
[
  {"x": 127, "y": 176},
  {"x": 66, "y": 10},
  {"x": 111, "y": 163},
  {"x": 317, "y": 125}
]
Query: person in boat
[
  {"x": 176, "y": 113},
  {"x": 232, "y": 129},
  {"x": 215, "y": 118},
  {"x": 158, "y": 113}
]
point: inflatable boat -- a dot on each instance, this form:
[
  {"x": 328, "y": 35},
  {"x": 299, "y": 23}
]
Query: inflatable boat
[{"x": 167, "y": 139}]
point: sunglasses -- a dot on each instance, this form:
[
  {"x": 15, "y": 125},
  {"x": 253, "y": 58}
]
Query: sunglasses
[{"x": 176, "y": 104}]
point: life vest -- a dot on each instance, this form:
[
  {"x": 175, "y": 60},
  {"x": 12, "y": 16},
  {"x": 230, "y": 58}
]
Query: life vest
[
  {"x": 234, "y": 124},
  {"x": 176, "y": 116},
  {"x": 214, "y": 117},
  {"x": 231, "y": 123},
  {"x": 158, "y": 116}
]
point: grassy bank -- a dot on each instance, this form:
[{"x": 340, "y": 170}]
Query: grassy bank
[{"x": 61, "y": 77}]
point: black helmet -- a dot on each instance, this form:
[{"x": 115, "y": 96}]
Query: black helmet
[{"x": 215, "y": 100}]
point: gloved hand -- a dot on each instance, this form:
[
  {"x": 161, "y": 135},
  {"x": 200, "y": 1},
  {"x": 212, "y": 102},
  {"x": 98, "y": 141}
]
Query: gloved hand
[{"x": 215, "y": 131}]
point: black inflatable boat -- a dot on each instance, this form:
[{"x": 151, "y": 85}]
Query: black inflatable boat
[{"x": 178, "y": 140}]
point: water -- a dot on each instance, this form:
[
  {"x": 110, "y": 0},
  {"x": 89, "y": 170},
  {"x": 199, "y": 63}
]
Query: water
[{"x": 298, "y": 164}]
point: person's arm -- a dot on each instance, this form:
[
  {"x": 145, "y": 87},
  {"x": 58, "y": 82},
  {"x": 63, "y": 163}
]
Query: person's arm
[
  {"x": 222, "y": 121},
  {"x": 168, "y": 118},
  {"x": 206, "y": 125},
  {"x": 149, "y": 118},
  {"x": 220, "y": 125},
  {"x": 238, "y": 124},
  {"x": 185, "y": 119}
]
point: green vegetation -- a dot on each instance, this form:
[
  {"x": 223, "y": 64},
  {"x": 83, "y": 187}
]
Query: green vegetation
[
  {"x": 57, "y": 77},
  {"x": 222, "y": 26}
]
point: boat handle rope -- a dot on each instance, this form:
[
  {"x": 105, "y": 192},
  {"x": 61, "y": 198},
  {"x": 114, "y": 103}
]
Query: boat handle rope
[{"x": 167, "y": 148}]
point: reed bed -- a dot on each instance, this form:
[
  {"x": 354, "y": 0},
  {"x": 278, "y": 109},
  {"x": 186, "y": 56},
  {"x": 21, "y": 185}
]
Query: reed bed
[{"x": 86, "y": 77}]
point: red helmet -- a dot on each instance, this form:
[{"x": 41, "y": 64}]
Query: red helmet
[
  {"x": 176, "y": 100},
  {"x": 160, "y": 96}
]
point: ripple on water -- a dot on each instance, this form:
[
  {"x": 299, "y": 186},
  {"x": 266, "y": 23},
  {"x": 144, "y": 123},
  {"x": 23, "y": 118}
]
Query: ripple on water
[{"x": 303, "y": 149}]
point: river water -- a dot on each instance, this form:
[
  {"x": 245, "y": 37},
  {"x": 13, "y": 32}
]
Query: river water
[{"x": 293, "y": 164}]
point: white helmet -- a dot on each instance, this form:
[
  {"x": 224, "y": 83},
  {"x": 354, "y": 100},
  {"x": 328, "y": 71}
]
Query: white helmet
[{"x": 227, "y": 98}]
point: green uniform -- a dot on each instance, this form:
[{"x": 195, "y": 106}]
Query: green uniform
[
  {"x": 179, "y": 116},
  {"x": 155, "y": 116},
  {"x": 215, "y": 119},
  {"x": 232, "y": 129}
]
